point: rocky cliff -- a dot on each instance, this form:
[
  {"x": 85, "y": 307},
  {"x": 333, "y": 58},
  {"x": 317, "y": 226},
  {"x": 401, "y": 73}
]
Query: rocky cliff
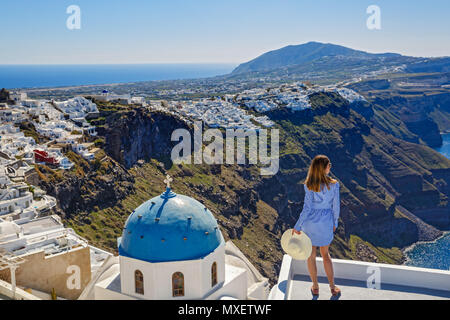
[
  {"x": 100, "y": 184},
  {"x": 420, "y": 102},
  {"x": 139, "y": 135}
]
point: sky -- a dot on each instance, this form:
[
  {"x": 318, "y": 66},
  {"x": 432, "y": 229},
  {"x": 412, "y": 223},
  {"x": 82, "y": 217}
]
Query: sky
[{"x": 211, "y": 31}]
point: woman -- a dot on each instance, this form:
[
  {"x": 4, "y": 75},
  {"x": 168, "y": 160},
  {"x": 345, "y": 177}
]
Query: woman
[{"x": 319, "y": 218}]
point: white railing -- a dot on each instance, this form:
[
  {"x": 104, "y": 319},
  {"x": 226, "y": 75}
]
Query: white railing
[
  {"x": 7, "y": 290},
  {"x": 361, "y": 271},
  {"x": 389, "y": 274}
]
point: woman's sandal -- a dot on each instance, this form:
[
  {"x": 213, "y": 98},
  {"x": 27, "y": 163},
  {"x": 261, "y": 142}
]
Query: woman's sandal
[
  {"x": 315, "y": 292},
  {"x": 335, "y": 291}
]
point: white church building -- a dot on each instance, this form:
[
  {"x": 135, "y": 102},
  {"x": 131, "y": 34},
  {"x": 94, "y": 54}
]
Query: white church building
[{"x": 172, "y": 248}]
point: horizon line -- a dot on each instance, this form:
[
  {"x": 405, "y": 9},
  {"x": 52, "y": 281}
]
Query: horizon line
[
  {"x": 228, "y": 63},
  {"x": 118, "y": 63}
]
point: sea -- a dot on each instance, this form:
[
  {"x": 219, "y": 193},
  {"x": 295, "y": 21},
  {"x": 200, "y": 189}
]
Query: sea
[
  {"x": 39, "y": 76},
  {"x": 445, "y": 149},
  {"x": 436, "y": 254}
]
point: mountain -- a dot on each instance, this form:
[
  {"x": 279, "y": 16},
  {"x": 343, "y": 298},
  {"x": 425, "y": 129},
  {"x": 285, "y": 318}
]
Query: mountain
[{"x": 304, "y": 53}]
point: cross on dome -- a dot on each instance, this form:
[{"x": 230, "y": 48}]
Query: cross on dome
[{"x": 168, "y": 181}]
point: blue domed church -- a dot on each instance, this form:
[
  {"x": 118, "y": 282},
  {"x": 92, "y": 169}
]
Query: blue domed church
[
  {"x": 172, "y": 248},
  {"x": 170, "y": 228}
]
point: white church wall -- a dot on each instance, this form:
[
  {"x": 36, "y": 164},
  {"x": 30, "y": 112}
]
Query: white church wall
[
  {"x": 192, "y": 278},
  {"x": 158, "y": 276},
  {"x": 235, "y": 284},
  {"x": 217, "y": 256},
  {"x": 128, "y": 267}
]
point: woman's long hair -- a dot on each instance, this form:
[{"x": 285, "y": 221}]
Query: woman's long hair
[{"x": 316, "y": 174}]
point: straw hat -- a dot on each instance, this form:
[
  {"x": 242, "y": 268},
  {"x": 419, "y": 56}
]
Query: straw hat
[{"x": 297, "y": 246}]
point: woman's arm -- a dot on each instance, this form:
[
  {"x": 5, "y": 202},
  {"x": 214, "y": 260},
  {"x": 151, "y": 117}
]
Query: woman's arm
[
  {"x": 336, "y": 206},
  {"x": 306, "y": 209}
]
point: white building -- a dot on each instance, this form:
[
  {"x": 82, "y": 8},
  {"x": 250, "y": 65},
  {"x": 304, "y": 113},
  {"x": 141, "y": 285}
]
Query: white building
[
  {"x": 55, "y": 258},
  {"x": 64, "y": 162},
  {"x": 350, "y": 95},
  {"x": 14, "y": 198},
  {"x": 16, "y": 170},
  {"x": 83, "y": 150},
  {"x": 8, "y": 128},
  {"x": 31, "y": 103},
  {"x": 137, "y": 100},
  {"x": 109, "y": 96},
  {"x": 172, "y": 248},
  {"x": 219, "y": 114},
  {"x": 17, "y": 202},
  {"x": 47, "y": 110},
  {"x": 77, "y": 107},
  {"x": 11, "y": 114},
  {"x": 18, "y": 96}
]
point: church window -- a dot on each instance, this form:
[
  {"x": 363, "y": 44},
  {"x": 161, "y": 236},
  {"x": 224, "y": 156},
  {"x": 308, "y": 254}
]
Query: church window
[
  {"x": 139, "y": 282},
  {"x": 178, "y": 284},
  {"x": 213, "y": 274}
]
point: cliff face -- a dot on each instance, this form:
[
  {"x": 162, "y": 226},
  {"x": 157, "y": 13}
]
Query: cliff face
[
  {"x": 89, "y": 186},
  {"x": 138, "y": 135},
  {"x": 420, "y": 102},
  {"x": 426, "y": 116}
]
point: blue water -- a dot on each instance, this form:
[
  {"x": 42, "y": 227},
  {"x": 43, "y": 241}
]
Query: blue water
[
  {"x": 445, "y": 149},
  {"x": 30, "y": 76},
  {"x": 434, "y": 255}
]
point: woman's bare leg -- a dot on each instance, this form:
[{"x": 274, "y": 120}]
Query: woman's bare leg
[
  {"x": 327, "y": 265},
  {"x": 312, "y": 268}
]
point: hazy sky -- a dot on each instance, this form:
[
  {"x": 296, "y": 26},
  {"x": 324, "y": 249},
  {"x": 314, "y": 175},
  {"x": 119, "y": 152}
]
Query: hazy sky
[{"x": 228, "y": 31}]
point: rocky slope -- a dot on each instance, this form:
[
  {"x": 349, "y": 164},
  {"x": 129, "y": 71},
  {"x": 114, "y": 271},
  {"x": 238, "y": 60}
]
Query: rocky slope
[
  {"x": 135, "y": 135},
  {"x": 420, "y": 102},
  {"x": 99, "y": 184}
]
